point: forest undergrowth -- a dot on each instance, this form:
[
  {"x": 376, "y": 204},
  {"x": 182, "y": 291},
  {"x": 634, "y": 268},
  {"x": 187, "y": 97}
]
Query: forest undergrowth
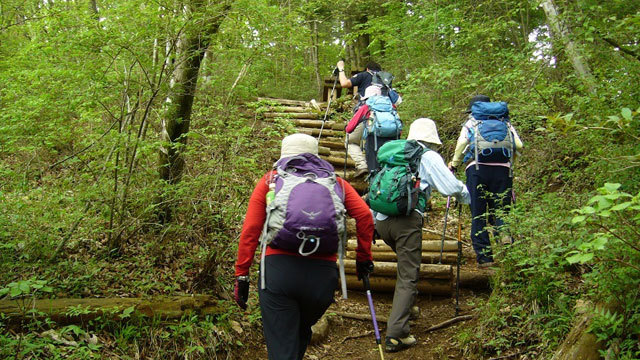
[{"x": 97, "y": 108}]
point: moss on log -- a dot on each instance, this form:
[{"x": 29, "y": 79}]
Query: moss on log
[{"x": 70, "y": 311}]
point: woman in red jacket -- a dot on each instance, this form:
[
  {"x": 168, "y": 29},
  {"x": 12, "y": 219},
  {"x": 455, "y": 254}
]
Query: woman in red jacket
[{"x": 297, "y": 287}]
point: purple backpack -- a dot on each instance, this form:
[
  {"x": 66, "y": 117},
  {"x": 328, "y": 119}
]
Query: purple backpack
[{"x": 307, "y": 214}]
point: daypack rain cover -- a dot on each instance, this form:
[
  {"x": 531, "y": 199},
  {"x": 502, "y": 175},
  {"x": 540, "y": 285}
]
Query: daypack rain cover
[{"x": 394, "y": 189}]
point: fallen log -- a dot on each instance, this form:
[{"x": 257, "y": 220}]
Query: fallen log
[
  {"x": 427, "y": 271},
  {"x": 427, "y": 245},
  {"x": 580, "y": 343},
  {"x": 379, "y": 283},
  {"x": 427, "y": 257},
  {"x": 449, "y": 322},
  {"x": 71, "y": 311}
]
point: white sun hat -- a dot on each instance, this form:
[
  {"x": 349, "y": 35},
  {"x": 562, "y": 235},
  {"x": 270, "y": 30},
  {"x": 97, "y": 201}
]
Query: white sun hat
[
  {"x": 424, "y": 129},
  {"x": 297, "y": 144}
]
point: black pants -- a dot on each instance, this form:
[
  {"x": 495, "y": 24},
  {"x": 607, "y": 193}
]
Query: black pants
[
  {"x": 371, "y": 147},
  {"x": 490, "y": 190},
  {"x": 299, "y": 290}
]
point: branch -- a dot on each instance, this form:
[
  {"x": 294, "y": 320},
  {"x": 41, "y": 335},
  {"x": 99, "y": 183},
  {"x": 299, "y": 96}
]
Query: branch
[
  {"x": 86, "y": 148},
  {"x": 360, "y": 316},
  {"x": 619, "y": 237},
  {"x": 449, "y": 322},
  {"x": 623, "y": 49}
]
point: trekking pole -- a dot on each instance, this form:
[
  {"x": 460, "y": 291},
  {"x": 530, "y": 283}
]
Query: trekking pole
[
  {"x": 444, "y": 231},
  {"x": 459, "y": 256},
  {"x": 367, "y": 287},
  {"x": 326, "y": 112}
]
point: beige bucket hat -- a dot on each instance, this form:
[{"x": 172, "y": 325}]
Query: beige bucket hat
[
  {"x": 297, "y": 144},
  {"x": 424, "y": 129}
]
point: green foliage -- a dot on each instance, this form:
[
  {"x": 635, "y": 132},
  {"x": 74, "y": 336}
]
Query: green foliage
[{"x": 608, "y": 244}]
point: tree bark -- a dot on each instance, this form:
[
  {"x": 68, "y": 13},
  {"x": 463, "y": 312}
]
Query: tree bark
[
  {"x": 580, "y": 343},
  {"x": 177, "y": 118},
  {"x": 571, "y": 49}
]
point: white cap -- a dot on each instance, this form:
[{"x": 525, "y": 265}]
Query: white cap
[
  {"x": 297, "y": 144},
  {"x": 424, "y": 129},
  {"x": 371, "y": 90}
]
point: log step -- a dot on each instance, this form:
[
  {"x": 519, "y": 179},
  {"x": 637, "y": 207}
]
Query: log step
[
  {"x": 383, "y": 268},
  {"x": 291, "y": 115},
  {"x": 332, "y": 142},
  {"x": 291, "y": 102},
  {"x": 427, "y": 245},
  {"x": 388, "y": 284},
  {"x": 428, "y": 257}
]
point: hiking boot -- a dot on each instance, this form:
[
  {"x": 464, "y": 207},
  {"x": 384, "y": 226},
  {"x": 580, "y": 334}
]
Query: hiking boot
[
  {"x": 506, "y": 240},
  {"x": 414, "y": 313},
  {"x": 393, "y": 344},
  {"x": 486, "y": 265}
]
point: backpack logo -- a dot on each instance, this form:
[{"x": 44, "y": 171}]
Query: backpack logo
[{"x": 311, "y": 214}]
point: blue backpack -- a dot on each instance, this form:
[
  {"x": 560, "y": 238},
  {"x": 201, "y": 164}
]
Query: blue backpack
[
  {"x": 384, "y": 120},
  {"x": 490, "y": 139}
]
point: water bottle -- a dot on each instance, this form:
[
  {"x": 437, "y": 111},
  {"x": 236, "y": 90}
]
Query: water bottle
[{"x": 272, "y": 193}]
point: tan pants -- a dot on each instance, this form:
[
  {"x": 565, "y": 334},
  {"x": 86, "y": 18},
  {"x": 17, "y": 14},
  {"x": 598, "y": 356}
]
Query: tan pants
[
  {"x": 353, "y": 147},
  {"x": 404, "y": 235}
]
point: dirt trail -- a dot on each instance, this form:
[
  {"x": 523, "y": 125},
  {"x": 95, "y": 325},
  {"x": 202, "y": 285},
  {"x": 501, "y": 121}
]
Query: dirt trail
[{"x": 354, "y": 339}]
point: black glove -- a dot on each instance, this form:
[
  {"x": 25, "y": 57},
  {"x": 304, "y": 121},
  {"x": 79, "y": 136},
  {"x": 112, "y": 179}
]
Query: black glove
[
  {"x": 241, "y": 293},
  {"x": 364, "y": 268},
  {"x": 336, "y": 72}
]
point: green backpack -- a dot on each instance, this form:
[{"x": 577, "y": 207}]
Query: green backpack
[{"x": 395, "y": 188}]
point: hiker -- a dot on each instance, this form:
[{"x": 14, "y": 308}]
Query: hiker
[
  {"x": 297, "y": 212},
  {"x": 355, "y": 129},
  {"x": 362, "y": 79},
  {"x": 489, "y": 171},
  {"x": 399, "y": 223}
]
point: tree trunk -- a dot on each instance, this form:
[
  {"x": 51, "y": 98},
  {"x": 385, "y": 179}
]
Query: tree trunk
[
  {"x": 177, "y": 118},
  {"x": 314, "y": 59},
  {"x": 560, "y": 30},
  {"x": 580, "y": 343}
]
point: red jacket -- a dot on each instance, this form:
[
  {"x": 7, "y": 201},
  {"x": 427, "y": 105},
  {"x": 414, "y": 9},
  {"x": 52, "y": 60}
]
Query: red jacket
[
  {"x": 361, "y": 114},
  {"x": 256, "y": 216}
]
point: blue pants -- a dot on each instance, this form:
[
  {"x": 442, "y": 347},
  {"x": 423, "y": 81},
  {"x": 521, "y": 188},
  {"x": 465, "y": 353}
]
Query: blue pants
[
  {"x": 299, "y": 291},
  {"x": 490, "y": 190}
]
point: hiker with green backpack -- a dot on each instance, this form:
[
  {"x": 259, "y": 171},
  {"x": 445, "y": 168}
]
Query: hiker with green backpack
[
  {"x": 398, "y": 193},
  {"x": 297, "y": 214}
]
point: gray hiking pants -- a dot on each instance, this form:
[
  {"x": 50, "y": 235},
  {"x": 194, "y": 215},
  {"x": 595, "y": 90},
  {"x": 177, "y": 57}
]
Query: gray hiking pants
[
  {"x": 404, "y": 235},
  {"x": 353, "y": 147}
]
